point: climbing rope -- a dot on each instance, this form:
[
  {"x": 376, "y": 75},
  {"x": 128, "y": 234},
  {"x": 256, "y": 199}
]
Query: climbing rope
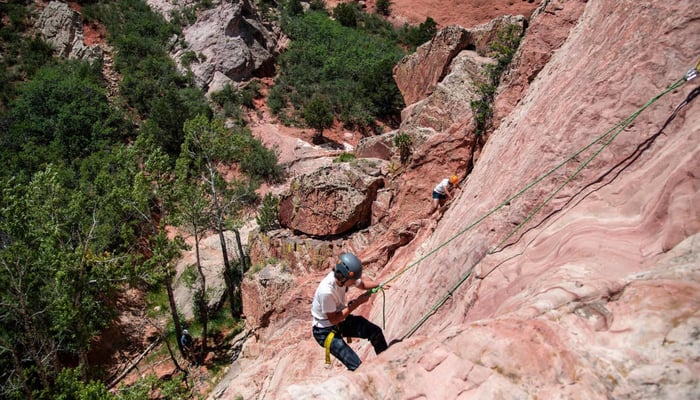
[{"x": 617, "y": 129}]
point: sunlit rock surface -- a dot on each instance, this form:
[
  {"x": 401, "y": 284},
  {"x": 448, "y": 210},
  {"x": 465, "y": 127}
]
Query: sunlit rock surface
[{"x": 593, "y": 294}]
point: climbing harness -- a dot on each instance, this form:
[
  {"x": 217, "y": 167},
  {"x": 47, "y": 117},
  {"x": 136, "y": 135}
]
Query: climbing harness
[
  {"x": 605, "y": 139},
  {"x": 327, "y": 346}
]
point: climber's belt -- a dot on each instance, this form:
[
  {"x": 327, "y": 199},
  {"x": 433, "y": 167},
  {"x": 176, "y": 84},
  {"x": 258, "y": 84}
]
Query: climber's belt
[
  {"x": 327, "y": 346},
  {"x": 329, "y": 339}
]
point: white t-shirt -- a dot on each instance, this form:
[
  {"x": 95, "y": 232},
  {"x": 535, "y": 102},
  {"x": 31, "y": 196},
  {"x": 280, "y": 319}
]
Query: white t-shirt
[
  {"x": 440, "y": 188},
  {"x": 329, "y": 297}
]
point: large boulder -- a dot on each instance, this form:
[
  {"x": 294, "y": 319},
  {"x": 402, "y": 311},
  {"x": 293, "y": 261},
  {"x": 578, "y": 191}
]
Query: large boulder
[
  {"x": 63, "y": 29},
  {"x": 211, "y": 261},
  {"x": 226, "y": 44},
  {"x": 261, "y": 291},
  {"x": 333, "y": 200}
]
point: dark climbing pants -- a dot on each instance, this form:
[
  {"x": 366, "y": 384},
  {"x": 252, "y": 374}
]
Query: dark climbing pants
[{"x": 353, "y": 326}]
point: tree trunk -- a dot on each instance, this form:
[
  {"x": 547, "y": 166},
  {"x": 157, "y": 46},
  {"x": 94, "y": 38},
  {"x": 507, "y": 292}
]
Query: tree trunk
[
  {"x": 173, "y": 308},
  {"x": 241, "y": 253},
  {"x": 16, "y": 356},
  {"x": 203, "y": 306}
]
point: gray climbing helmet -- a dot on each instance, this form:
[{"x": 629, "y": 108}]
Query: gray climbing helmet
[{"x": 348, "y": 267}]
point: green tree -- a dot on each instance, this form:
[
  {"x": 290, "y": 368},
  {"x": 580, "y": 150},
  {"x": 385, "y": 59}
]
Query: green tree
[
  {"x": 268, "y": 216},
  {"x": 207, "y": 148},
  {"x": 383, "y": 7},
  {"x": 59, "y": 276},
  {"x": 318, "y": 114},
  {"x": 169, "y": 113},
  {"x": 404, "y": 143},
  {"x": 346, "y": 14},
  {"x": 153, "y": 202},
  {"x": 69, "y": 386},
  {"x": 59, "y": 116},
  {"x": 294, "y": 7},
  {"x": 192, "y": 210}
]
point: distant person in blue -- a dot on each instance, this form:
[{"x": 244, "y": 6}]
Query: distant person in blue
[
  {"x": 442, "y": 192},
  {"x": 187, "y": 344}
]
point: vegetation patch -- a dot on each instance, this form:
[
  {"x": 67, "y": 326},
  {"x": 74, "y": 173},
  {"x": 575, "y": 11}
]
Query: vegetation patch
[{"x": 502, "y": 50}]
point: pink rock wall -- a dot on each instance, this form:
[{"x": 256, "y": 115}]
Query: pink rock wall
[{"x": 595, "y": 297}]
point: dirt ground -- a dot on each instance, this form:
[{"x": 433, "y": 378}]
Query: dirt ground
[{"x": 467, "y": 13}]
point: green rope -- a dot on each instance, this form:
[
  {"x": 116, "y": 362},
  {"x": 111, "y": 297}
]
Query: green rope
[
  {"x": 435, "y": 307},
  {"x": 619, "y": 126}
]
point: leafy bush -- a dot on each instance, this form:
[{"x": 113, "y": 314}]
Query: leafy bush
[
  {"x": 416, "y": 36},
  {"x": 317, "y": 5},
  {"x": 345, "y": 157},
  {"x": 383, "y": 7},
  {"x": 226, "y": 95},
  {"x": 255, "y": 159},
  {"x": 293, "y": 8},
  {"x": 248, "y": 93},
  {"x": 268, "y": 216},
  {"x": 64, "y": 111},
  {"x": 502, "y": 50},
  {"x": 69, "y": 385},
  {"x": 404, "y": 143},
  {"x": 347, "y": 14},
  {"x": 21, "y": 55},
  {"x": 276, "y": 99},
  {"x": 188, "y": 58},
  {"x": 318, "y": 114},
  {"x": 230, "y": 99},
  {"x": 34, "y": 54}
]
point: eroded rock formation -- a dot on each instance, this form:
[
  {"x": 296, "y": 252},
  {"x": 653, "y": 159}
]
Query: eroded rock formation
[
  {"x": 227, "y": 44},
  {"x": 62, "y": 28},
  {"x": 417, "y": 74}
]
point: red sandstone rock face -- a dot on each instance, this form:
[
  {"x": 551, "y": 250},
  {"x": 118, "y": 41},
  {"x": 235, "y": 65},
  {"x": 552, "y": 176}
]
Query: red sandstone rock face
[
  {"x": 595, "y": 296},
  {"x": 554, "y": 22}
]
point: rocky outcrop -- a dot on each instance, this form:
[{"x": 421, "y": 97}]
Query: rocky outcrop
[
  {"x": 554, "y": 20},
  {"x": 211, "y": 261},
  {"x": 448, "y": 108},
  {"x": 261, "y": 293},
  {"x": 334, "y": 199},
  {"x": 227, "y": 44},
  {"x": 594, "y": 296},
  {"x": 63, "y": 29},
  {"x": 417, "y": 74}
]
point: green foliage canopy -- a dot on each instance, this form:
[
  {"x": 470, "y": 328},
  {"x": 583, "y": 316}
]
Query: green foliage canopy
[
  {"x": 151, "y": 83},
  {"x": 59, "y": 116},
  {"x": 349, "y": 67}
]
